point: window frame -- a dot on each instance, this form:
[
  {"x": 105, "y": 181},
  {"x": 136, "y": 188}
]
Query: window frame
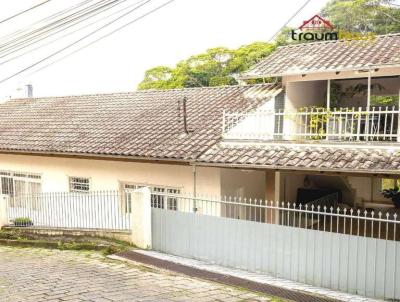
[
  {"x": 77, "y": 190},
  {"x": 13, "y": 176},
  {"x": 157, "y": 201}
]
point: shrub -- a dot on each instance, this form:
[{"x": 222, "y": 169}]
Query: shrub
[
  {"x": 23, "y": 221},
  {"x": 394, "y": 195}
]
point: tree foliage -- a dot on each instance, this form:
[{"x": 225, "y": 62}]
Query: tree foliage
[
  {"x": 220, "y": 66},
  {"x": 377, "y": 16},
  {"x": 217, "y": 66}
]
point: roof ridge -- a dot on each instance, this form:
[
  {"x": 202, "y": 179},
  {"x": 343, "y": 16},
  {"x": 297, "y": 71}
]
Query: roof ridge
[
  {"x": 334, "y": 41},
  {"x": 142, "y": 91}
]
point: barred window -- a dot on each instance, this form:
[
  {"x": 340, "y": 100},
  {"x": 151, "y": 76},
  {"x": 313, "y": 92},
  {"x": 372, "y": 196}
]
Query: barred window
[
  {"x": 79, "y": 184},
  {"x": 160, "y": 196},
  {"x": 172, "y": 202}
]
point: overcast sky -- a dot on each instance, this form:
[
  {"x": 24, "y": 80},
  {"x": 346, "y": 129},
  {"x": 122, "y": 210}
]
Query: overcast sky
[{"x": 117, "y": 63}]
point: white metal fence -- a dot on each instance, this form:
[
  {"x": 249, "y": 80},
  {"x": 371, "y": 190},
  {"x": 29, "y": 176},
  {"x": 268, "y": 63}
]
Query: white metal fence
[
  {"x": 348, "y": 250},
  {"x": 343, "y": 124},
  {"x": 92, "y": 210}
]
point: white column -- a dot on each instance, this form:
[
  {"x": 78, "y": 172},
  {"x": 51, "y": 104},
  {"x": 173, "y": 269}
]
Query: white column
[
  {"x": 398, "y": 114},
  {"x": 4, "y": 200},
  {"x": 369, "y": 91},
  {"x": 328, "y": 94},
  {"x": 328, "y": 106},
  {"x": 141, "y": 218},
  {"x": 367, "y": 117}
]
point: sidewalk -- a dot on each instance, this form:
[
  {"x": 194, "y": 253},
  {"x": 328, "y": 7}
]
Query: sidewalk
[{"x": 258, "y": 282}]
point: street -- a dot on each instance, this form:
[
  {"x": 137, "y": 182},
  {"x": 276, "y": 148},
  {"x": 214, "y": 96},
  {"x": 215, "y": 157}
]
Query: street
[{"x": 32, "y": 274}]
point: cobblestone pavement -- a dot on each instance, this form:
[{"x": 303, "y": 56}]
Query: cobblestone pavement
[{"x": 30, "y": 274}]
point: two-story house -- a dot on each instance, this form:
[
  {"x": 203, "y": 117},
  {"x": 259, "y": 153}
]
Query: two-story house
[
  {"x": 325, "y": 132},
  {"x": 332, "y": 134}
]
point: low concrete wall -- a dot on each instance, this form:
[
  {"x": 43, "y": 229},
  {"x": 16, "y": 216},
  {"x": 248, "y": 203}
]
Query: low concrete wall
[{"x": 51, "y": 232}]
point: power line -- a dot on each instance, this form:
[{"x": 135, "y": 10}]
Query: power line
[
  {"x": 289, "y": 20},
  {"x": 64, "y": 11},
  {"x": 56, "y": 24},
  {"x": 67, "y": 34},
  {"x": 24, "y": 11},
  {"x": 38, "y": 38},
  {"x": 88, "y": 35}
]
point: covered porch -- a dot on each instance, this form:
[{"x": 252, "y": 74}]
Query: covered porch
[
  {"x": 344, "y": 109},
  {"x": 334, "y": 202}
]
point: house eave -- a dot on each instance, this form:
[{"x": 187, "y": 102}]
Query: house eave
[
  {"x": 370, "y": 172},
  {"x": 112, "y": 157},
  {"x": 306, "y": 72}
]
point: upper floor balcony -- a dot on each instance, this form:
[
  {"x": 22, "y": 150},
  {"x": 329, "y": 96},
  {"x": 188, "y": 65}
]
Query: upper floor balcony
[
  {"x": 364, "y": 109},
  {"x": 377, "y": 124}
]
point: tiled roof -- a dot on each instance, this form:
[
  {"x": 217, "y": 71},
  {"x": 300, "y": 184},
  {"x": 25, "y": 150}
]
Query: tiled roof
[
  {"x": 139, "y": 124},
  {"x": 329, "y": 56},
  {"x": 305, "y": 157}
]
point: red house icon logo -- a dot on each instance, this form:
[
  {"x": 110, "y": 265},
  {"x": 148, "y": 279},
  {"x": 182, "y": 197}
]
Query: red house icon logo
[{"x": 316, "y": 23}]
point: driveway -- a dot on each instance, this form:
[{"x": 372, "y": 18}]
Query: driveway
[{"x": 30, "y": 274}]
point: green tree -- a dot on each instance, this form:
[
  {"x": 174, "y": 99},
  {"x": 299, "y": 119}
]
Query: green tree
[
  {"x": 217, "y": 66},
  {"x": 221, "y": 66},
  {"x": 377, "y": 16}
]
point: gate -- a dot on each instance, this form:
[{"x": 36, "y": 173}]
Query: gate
[{"x": 341, "y": 249}]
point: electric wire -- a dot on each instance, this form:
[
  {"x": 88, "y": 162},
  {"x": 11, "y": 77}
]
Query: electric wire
[
  {"x": 90, "y": 34},
  {"x": 5, "y": 53},
  {"x": 289, "y": 20},
  {"x": 43, "y": 30},
  {"x": 24, "y": 11},
  {"x": 67, "y": 34}
]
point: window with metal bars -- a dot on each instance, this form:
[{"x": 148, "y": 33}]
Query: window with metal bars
[
  {"x": 160, "y": 196},
  {"x": 19, "y": 183},
  {"x": 79, "y": 184}
]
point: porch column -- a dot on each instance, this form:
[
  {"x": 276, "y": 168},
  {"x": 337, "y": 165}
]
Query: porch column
[
  {"x": 270, "y": 194},
  {"x": 369, "y": 91},
  {"x": 398, "y": 114},
  {"x": 328, "y": 94},
  {"x": 328, "y": 106},
  {"x": 367, "y": 117}
]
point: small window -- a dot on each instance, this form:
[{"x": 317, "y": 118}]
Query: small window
[
  {"x": 172, "y": 201},
  {"x": 79, "y": 184},
  {"x": 157, "y": 201},
  {"x": 161, "y": 197}
]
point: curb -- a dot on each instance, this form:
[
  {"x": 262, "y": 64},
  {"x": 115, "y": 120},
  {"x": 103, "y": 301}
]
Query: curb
[{"x": 220, "y": 278}]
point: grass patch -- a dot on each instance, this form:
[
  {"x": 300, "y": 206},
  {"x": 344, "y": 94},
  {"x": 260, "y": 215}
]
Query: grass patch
[{"x": 106, "y": 246}]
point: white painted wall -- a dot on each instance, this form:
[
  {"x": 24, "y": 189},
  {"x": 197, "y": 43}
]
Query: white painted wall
[
  {"x": 368, "y": 191},
  {"x": 243, "y": 183},
  {"x": 106, "y": 175},
  {"x": 309, "y": 93}
]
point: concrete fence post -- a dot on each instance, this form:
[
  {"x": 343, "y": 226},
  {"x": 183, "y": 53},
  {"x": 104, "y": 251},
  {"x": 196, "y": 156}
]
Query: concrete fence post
[
  {"x": 4, "y": 200},
  {"x": 141, "y": 218}
]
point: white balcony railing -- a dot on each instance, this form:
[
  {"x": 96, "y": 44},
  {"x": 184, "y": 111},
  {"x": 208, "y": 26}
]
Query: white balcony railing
[{"x": 342, "y": 124}]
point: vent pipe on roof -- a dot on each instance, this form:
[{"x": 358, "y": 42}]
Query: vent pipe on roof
[
  {"x": 182, "y": 115},
  {"x": 29, "y": 91}
]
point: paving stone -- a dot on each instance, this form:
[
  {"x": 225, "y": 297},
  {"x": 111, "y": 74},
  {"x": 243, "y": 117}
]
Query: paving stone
[{"x": 40, "y": 275}]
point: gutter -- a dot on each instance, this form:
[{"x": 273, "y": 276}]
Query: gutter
[
  {"x": 98, "y": 156},
  {"x": 297, "y": 73},
  {"x": 276, "y": 167}
]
